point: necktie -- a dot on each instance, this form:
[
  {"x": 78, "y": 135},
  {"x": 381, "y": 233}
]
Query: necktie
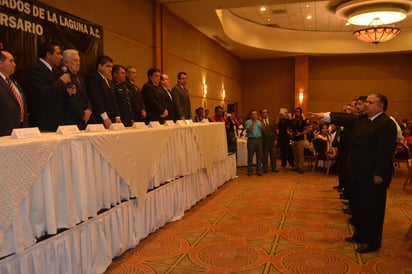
[
  {"x": 18, "y": 98},
  {"x": 107, "y": 82},
  {"x": 78, "y": 83}
]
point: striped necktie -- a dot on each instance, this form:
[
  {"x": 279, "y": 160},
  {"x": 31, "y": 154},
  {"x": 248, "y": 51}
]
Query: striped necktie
[{"x": 18, "y": 98}]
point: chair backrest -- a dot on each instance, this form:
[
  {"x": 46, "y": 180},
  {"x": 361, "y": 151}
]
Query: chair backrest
[
  {"x": 320, "y": 146},
  {"x": 409, "y": 146}
]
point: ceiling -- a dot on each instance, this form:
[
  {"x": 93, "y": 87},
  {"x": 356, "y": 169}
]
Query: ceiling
[{"x": 283, "y": 29}]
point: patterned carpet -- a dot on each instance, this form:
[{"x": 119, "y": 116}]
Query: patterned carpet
[{"x": 278, "y": 223}]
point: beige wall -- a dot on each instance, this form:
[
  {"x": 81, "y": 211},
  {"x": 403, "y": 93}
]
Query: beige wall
[
  {"x": 334, "y": 81},
  {"x": 268, "y": 84},
  {"x": 204, "y": 61}
]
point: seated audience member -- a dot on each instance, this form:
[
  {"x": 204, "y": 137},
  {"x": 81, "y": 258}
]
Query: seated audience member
[
  {"x": 324, "y": 134},
  {"x": 139, "y": 109},
  {"x": 99, "y": 86},
  {"x": 46, "y": 90},
  {"x": 408, "y": 135},
  {"x": 78, "y": 107},
  {"x": 13, "y": 107},
  {"x": 123, "y": 95},
  {"x": 309, "y": 136},
  {"x": 199, "y": 115},
  {"x": 207, "y": 113},
  {"x": 218, "y": 117}
]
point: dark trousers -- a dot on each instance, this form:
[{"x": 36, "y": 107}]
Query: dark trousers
[
  {"x": 269, "y": 151},
  {"x": 368, "y": 202},
  {"x": 286, "y": 154},
  {"x": 254, "y": 145}
]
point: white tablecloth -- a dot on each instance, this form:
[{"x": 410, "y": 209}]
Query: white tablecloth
[{"x": 57, "y": 182}]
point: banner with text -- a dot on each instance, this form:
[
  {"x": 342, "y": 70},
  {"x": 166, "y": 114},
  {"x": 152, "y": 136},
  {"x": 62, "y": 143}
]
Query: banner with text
[{"x": 25, "y": 24}]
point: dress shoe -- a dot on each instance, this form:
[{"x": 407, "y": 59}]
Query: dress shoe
[
  {"x": 341, "y": 189},
  {"x": 352, "y": 240},
  {"x": 259, "y": 174},
  {"x": 275, "y": 170},
  {"x": 366, "y": 248},
  {"x": 265, "y": 171},
  {"x": 301, "y": 172},
  {"x": 337, "y": 187},
  {"x": 347, "y": 211}
]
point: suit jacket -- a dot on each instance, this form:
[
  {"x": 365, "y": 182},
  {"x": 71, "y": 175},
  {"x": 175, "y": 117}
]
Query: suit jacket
[
  {"x": 10, "y": 109},
  {"x": 46, "y": 94},
  {"x": 182, "y": 100},
  {"x": 76, "y": 104},
  {"x": 154, "y": 100},
  {"x": 102, "y": 98},
  {"x": 372, "y": 145},
  {"x": 170, "y": 105},
  {"x": 136, "y": 101},
  {"x": 124, "y": 102},
  {"x": 269, "y": 135}
]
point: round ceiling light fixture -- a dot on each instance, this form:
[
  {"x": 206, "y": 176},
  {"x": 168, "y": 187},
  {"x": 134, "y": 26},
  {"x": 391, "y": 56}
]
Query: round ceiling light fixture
[
  {"x": 363, "y": 12},
  {"x": 385, "y": 15}
]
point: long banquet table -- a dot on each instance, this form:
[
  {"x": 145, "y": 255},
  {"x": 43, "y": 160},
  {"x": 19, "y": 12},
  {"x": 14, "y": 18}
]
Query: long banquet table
[{"x": 56, "y": 182}]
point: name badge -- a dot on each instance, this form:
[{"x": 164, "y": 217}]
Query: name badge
[
  {"x": 169, "y": 123},
  {"x": 67, "y": 130},
  {"x": 181, "y": 123},
  {"x": 95, "y": 128},
  {"x": 23, "y": 133},
  {"x": 139, "y": 125},
  {"x": 154, "y": 124},
  {"x": 117, "y": 126}
]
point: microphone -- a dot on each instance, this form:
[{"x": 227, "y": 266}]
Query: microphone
[{"x": 65, "y": 70}]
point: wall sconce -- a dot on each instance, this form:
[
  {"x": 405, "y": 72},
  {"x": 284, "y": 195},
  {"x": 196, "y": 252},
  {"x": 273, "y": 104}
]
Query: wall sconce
[
  {"x": 223, "y": 94},
  {"x": 204, "y": 89},
  {"x": 301, "y": 97}
]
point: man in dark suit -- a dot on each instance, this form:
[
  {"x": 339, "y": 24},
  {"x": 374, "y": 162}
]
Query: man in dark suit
[
  {"x": 269, "y": 139},
  {"x": 123, "y": 95},
  {"x": 13, "y": 107},
  {"x": 46, "y": 90},
  {"x": 181, "y": 97},
  {"x": 101, "y": 94},
  {"x": 154, "y": 97},
  {"x": 370, "y": 163},
  {"x": 138, "y": 105},
  {"x": 77, "y": 106},
  {"x": 170, "y": 103}
]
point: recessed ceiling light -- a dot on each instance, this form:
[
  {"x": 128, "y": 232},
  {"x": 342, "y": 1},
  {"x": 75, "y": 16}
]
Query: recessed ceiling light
[
  {"x": 263, "y": 9},
  {"x": 309, "y": 17},
  {"x": 269, "y": 19}
]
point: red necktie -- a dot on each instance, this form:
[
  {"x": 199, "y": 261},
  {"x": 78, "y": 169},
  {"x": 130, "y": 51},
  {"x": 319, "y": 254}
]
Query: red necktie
[{"x": 18, "y": 98}]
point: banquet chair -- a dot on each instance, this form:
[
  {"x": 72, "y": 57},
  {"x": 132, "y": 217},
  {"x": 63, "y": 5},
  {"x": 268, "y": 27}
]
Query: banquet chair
[
  {"x": 408, "y": 179},
  {"x": 320, "y": 147},
  {"x": 401, "y": 155}
]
